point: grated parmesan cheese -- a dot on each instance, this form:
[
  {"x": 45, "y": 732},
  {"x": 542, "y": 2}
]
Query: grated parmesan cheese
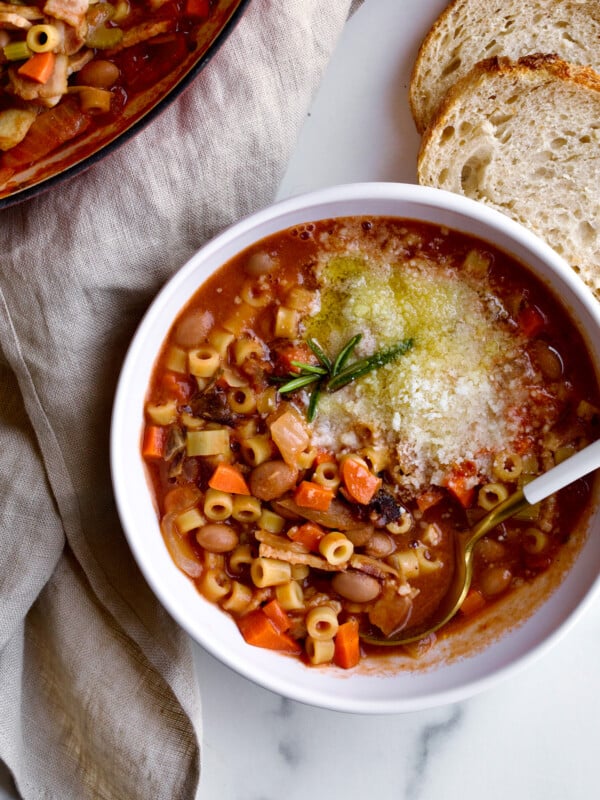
[{"x": 460, "y": 394}]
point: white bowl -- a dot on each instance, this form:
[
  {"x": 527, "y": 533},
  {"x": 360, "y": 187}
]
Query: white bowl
[{"x": 385, "y": 686}]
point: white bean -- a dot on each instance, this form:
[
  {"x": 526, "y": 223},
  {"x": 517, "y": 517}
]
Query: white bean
[
  {"x": 217, "y": 538},
  {"x": 260, "y": 263},
  {"x": 356, "y": 586}
]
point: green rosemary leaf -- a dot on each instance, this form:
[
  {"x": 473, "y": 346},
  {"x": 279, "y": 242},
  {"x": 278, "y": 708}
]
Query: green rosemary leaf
[
  {"x": 331, "y": 376},
  {"x": 298, "y": 383},
  {"x": 312, "y": 405},
  {"x": 365, "y": 365},
  {"x": 312, "y": 368},
  {"x": 344, "y": 354},
  {"x": 323, "y": 358}
]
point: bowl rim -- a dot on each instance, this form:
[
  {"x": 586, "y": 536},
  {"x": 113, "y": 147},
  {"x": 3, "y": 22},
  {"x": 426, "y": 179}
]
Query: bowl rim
[{"x": 276, "y": 217}]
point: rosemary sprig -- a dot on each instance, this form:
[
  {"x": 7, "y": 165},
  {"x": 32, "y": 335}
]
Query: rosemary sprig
[
  {"x": 326, "y": 362},
  {"x": 359, "y": 368},
  {"x": 329, "y": 376}
]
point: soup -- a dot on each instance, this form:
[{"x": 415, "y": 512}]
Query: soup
[
  {"x": 335, "y": 403},
  {"x": 70, "y": 68}
]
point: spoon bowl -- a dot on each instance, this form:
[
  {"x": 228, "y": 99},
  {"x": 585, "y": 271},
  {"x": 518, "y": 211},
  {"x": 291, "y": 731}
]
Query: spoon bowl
[{"x": 563, "y": 474}]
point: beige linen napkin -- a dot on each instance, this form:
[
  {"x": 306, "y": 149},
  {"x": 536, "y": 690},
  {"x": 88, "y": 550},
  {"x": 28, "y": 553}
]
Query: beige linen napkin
[{"x": 98, "y": 696}]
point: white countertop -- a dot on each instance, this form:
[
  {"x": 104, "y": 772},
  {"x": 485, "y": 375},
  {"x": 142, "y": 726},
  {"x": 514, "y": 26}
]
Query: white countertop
[{"x": 534, "y": 736}]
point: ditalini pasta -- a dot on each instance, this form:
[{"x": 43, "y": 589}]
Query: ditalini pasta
[{"x": 339, "y": 400}]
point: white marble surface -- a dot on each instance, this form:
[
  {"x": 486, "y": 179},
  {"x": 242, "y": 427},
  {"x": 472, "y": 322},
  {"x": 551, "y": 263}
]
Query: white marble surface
[{"x": 534, "y": 736}]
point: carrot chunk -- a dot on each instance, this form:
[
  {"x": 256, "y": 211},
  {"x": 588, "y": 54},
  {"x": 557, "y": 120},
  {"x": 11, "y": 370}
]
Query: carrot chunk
[
  {"x": 228, "y": 478},
  {"x": 347, "y": 645},
  {"x": 177, "y": 385},
  {"x": 278, "y": 615},
  {"x": 260, "y": 631},
  {"x": 460, "y": 483},
  {"x": 39, "y": 67},
  {"x": 463, "y": 493},
  {"x": 429, "y": 498},
  {"x": 473, "y": 602},
  {"x": 324, "y": 457},
  {"x": 359, "y": 481},
  {"x": 312, "y": 495},
  {"x": 308, "y": 534},
  {"x": 153, "y": 446}
]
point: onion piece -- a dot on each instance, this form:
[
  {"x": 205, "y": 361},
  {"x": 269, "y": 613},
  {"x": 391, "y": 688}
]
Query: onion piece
[
  {"x": 337, "y": 517},
  {"x": 179, "y": 547}
]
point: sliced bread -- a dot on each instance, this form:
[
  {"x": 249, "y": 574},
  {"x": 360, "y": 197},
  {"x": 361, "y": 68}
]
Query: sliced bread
[
  {"x": 524, "y": 137},
  {"x": 469, "y": 31}
]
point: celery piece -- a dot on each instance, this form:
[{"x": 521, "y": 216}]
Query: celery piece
[
  {"x": 103, "y": 38},
  {"x": 17, "y": 51}
]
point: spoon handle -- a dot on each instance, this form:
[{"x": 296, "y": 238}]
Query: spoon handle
[{"x": 570, "y": 470}]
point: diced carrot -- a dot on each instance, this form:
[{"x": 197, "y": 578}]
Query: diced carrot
[
  {"x": 531, "y": 320},
  {"x": 228, "y": 478},
  {"x": 359, "y": 481},
  {"x": 39, "y": 67},
  {"x": 347, "y": 645},
  {"x": 473, "y": 602},
  {"x": 458, "y": 487},
  {"x": 259, "y": 631},
  {"x": 197, "y": 8},
  {"x": 312, "y": 495},
  {"x": 177, "y": 385},
  {"x": 324, "y": 457},
  {"x": 308, "y": 534},
  {"x": 429, "y": 498},
  {"x": 460, "y": 483},
  {"x": 277, "y": 615},
  {"x": 289, "y": 352},
  {"x": 153, "y": 446}
]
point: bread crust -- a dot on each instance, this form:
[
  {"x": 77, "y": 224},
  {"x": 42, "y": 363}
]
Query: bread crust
[
  {"x": 526, "y": 68},
  {"x": 513, "y": 28},
  {"x": 492, "y": 139}
]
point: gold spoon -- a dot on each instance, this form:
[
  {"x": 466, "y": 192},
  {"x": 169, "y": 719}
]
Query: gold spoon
[{"x": 570, "y": 470}]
